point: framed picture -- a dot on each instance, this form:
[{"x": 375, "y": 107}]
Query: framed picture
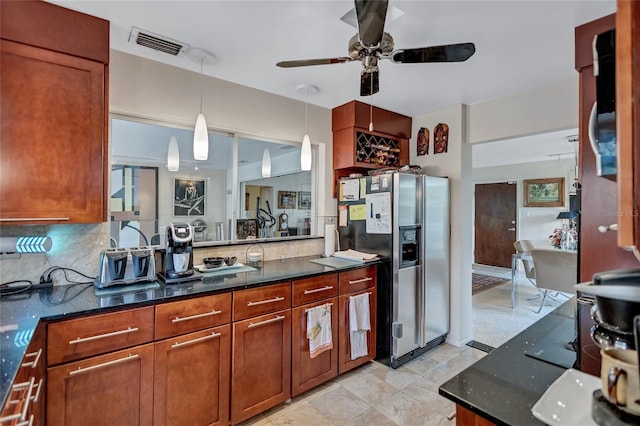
[
  {"x": 246, "y": 228},
  {"x": 304, "y": 200},
  {"x": 286, "y": 200},
  {"x": 547, "y": 192},
  {"x": 189, "y": 197}
]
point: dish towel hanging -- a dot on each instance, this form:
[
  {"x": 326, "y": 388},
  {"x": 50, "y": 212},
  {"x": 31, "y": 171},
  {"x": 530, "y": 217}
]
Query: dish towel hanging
[
  {"x": 319, "y": 329},
  {"x": 359, "y": 324}
]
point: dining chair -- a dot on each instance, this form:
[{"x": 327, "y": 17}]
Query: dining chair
[
  {"x": 555, "y": 270},
  {"x": 525, "y": 246}
]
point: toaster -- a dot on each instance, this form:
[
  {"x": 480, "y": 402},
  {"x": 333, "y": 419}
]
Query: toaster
[{"x": 124, "y": 266}]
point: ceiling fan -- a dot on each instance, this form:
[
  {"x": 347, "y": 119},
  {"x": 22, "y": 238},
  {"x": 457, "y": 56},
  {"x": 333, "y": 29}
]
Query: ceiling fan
[{"x": 371, "y": 44}]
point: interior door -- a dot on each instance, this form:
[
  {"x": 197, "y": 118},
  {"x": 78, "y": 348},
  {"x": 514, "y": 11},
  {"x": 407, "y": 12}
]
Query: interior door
[{"x": 495, "y": 223}]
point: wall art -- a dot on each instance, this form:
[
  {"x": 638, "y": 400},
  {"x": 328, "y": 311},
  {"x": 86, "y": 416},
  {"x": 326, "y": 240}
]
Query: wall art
[
  {"x": 547, "y": 192},
  {"x": 440, "y": 138},
  {"x": 423, "y": 141},
  {"x": 286, "y": 200},
  {"x": 189, "y": 197}
]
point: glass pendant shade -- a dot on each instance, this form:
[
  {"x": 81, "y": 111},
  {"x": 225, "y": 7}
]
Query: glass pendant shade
[
  {"x": 266, "y": 164},
  {"x": 201, "y": 139},
  {"x": 305, "y": 154},
  {"x": 173, "y": 155}
]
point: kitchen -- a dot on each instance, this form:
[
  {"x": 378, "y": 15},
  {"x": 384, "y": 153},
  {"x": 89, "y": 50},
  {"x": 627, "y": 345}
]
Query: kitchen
[{"x": 140, "y": 96}]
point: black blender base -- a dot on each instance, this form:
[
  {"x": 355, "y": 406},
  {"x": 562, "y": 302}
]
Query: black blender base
[{"x": 605, "y": 413}]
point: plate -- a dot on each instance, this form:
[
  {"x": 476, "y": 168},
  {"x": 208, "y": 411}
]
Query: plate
[
  {"x": 218, "y": 268},
  {"x": 567, "y": 401}
]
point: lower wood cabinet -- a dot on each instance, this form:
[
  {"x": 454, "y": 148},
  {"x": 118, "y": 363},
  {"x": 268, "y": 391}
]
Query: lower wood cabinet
[
  {"x": 307, "y": 372},
  {"x": 192, "y": 377},
  {"x": 105, "y": 390},
  {"x": 465, "y": 417},
  {"x": 261, "y": 364},
  {"x": 345, "y": 363}
]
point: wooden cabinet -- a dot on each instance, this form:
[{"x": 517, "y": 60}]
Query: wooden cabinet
[
  {"x": 466, "y": 417},
  {"x": 355, "y": 283},
  {"x": 628, "y": 122},
  {"x": 192, "y": 375},
  {"x": 25, "y": 403},
  {"x": 307, "y": 372},
  {"x": 192, "y": 371},
  {"x": 105, "y": 390},
  {"x": 53, "y": 114},
  {"x": 357, "y": 149}
]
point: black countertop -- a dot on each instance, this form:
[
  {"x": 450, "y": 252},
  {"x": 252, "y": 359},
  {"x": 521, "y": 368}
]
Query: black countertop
[
  {"x": 503, "y": 386},
  {"x": 20, "y": 314}
]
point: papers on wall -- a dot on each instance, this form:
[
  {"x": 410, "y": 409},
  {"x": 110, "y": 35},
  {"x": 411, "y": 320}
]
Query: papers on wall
[{"x": 378, "y": 213}]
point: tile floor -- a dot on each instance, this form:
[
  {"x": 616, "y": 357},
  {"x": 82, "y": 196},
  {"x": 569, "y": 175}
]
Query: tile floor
[{"x": 375, "y": 394}]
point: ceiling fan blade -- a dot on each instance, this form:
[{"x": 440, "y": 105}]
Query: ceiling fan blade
[
  {"x": 307, "y": 62},
  {"x": 445, "y": 53},
  {"x": 369, "y": 83},
  {"x": 371, "y": 16}
]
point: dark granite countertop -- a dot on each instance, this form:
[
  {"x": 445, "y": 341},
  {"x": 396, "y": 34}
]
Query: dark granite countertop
[
  {"x": 20, "y": 314},
  {"x": 504, "y": 385}
]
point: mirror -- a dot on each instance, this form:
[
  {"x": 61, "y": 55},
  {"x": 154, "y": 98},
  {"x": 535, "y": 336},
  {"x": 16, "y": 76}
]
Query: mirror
[{"x": 225, "y": 201}]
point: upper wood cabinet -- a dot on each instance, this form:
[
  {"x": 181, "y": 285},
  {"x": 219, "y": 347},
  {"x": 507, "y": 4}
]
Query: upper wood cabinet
[
  {"x": 53, "y": 114},
  {"x": 356, "y": 149},
  {"x": 628, "y": 121},
  {"x": 599, "y": 203}
]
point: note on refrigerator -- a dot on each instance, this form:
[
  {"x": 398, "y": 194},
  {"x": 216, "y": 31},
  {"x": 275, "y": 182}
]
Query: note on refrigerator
[
  {"x": 378, "y": 213},
  {"x": 350, "y": 190}
]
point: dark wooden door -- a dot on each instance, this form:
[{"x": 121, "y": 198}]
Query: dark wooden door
[
  {"x": 345, "y": 363},
  {"x": 495, "y": 223}
]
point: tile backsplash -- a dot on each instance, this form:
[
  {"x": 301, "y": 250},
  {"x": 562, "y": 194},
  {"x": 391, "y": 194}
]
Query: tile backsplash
[{"x": 78, "y": 247}]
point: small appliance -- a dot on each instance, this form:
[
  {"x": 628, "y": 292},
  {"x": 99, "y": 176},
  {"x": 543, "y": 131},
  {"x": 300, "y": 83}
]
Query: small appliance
[
  {"x": 124, "y": 266},
  {"x": 176, "y": 256}
]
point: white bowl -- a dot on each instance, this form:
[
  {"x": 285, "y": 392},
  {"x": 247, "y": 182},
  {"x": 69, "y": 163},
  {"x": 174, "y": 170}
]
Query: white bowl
[{"x": 254, "y": 257}]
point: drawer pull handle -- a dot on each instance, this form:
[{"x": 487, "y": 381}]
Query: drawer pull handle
[
  {"x": 199, "y": 339},
  {"x": 35, "y": 360},
  {"x": 10, "y": 417},
  {"x": 31, "y": 219},
  {"x": 316, "y": 290},
  {"x": 206, "y": 314},
  {"x": 102, "y": 336},
  {"x": 29, "y": 423},
  {"x": 361, "y": 280},
  {"x": 262, "y": 302},
  {"x": 27, "y": 399},
  {"x": 269, "y": 321},
  {"x": 37, "y": 395},
  {"x": 104, "y": 364}
]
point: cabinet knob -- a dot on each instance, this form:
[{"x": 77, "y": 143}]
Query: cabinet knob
[{"x": 605, "y": 228}]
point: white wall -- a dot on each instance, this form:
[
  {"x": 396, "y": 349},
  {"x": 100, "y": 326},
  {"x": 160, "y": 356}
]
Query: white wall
[{"x": 456, "y": 165}]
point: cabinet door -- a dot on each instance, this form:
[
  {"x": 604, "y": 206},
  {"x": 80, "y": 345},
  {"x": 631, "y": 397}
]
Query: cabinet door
[
  {"x": 106, "y": 390},
  {"x": 192, "y": 374},
  {"x": 345, "y": 363},
  {"x": 261, "y": 365},
  {"x": 54, "y": 149},
  {"x": 307, "y": 372}
]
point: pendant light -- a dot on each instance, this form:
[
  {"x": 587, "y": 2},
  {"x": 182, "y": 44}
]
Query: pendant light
[
  {"x": 371, "y": 106},
  {"x": 173, "y": 155},
  {"x": 305, "y": 152},
  {"x": 266, "y": 163},
  {"x": 200, "y": 133}
]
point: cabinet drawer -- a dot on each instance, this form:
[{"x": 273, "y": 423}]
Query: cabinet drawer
[
  {"x": 185, "y": 316},
  {"x": 258, "y": 301},
  {"x": 83, "y": 337},
  {"x": 316, "y": 288},
  {"x": 357, "y": 280}
]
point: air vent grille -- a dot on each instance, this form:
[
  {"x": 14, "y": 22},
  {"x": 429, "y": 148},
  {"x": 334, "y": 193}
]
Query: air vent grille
[{"x": 157, "y": 42}]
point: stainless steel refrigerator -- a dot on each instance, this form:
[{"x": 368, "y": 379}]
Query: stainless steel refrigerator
[{"x": 405, "y": 219}]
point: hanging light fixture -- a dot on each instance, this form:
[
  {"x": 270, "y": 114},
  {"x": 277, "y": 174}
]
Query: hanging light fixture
[
  {"x": 173, "y": 155},
  {"x": 200, "y": 133},
  {"x": 266, "y": 163},
  {"x": 305, "y": 152},
  {"x": 371, "y": 107}
]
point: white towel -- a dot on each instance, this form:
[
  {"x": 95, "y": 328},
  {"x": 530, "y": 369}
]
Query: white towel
[
  {"x": 319, "y": 329},
  {"x": 359, "y": 324}
]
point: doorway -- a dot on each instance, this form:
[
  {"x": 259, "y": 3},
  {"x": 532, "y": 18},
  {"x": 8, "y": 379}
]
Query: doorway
[{"x": 495, "y": 223}]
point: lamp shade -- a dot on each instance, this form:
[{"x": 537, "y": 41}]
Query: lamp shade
[
  {"x": 566, "y": 215},
  {"x": 200, "y": 139},
  {"x": 305, "y": 154},
  {"x": 173, "y": 155},
  {"x": 266, "y": 163}
]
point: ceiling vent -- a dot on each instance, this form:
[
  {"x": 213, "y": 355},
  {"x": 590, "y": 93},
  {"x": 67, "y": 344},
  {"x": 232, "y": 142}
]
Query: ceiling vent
[{"x": 157, "y": 42}]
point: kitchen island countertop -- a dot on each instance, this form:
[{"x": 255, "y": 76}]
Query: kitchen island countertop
[
  {"x": 503, "y": 386},
  {"x": 20, "y": 313}
]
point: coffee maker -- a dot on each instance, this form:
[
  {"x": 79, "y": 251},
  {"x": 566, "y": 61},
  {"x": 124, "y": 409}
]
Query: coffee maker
[{"x": 176, "y": 255}]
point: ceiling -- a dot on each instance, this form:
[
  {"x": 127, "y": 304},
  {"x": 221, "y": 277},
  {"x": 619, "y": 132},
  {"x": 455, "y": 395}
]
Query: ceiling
[{"x": 519, "y": 45}]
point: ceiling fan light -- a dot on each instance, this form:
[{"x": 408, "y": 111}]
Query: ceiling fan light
[
  {"x": 266, "y": 163},
  {"x": 201, "y": 139},
  {"x": 173, "y": 155},
  {"x": 305, "y": 154}
]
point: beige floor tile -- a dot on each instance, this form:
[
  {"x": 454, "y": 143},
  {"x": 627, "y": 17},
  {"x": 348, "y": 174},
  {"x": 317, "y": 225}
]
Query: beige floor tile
[
  {"x": 399, "y": 378},
  {"x": 369, "y": 388},
  {"x": 340, "y": 405},
  {"x": 302, "y": 413},
  {"x": 259, "y": 420},
  {"x": 403, "y": 409}
]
